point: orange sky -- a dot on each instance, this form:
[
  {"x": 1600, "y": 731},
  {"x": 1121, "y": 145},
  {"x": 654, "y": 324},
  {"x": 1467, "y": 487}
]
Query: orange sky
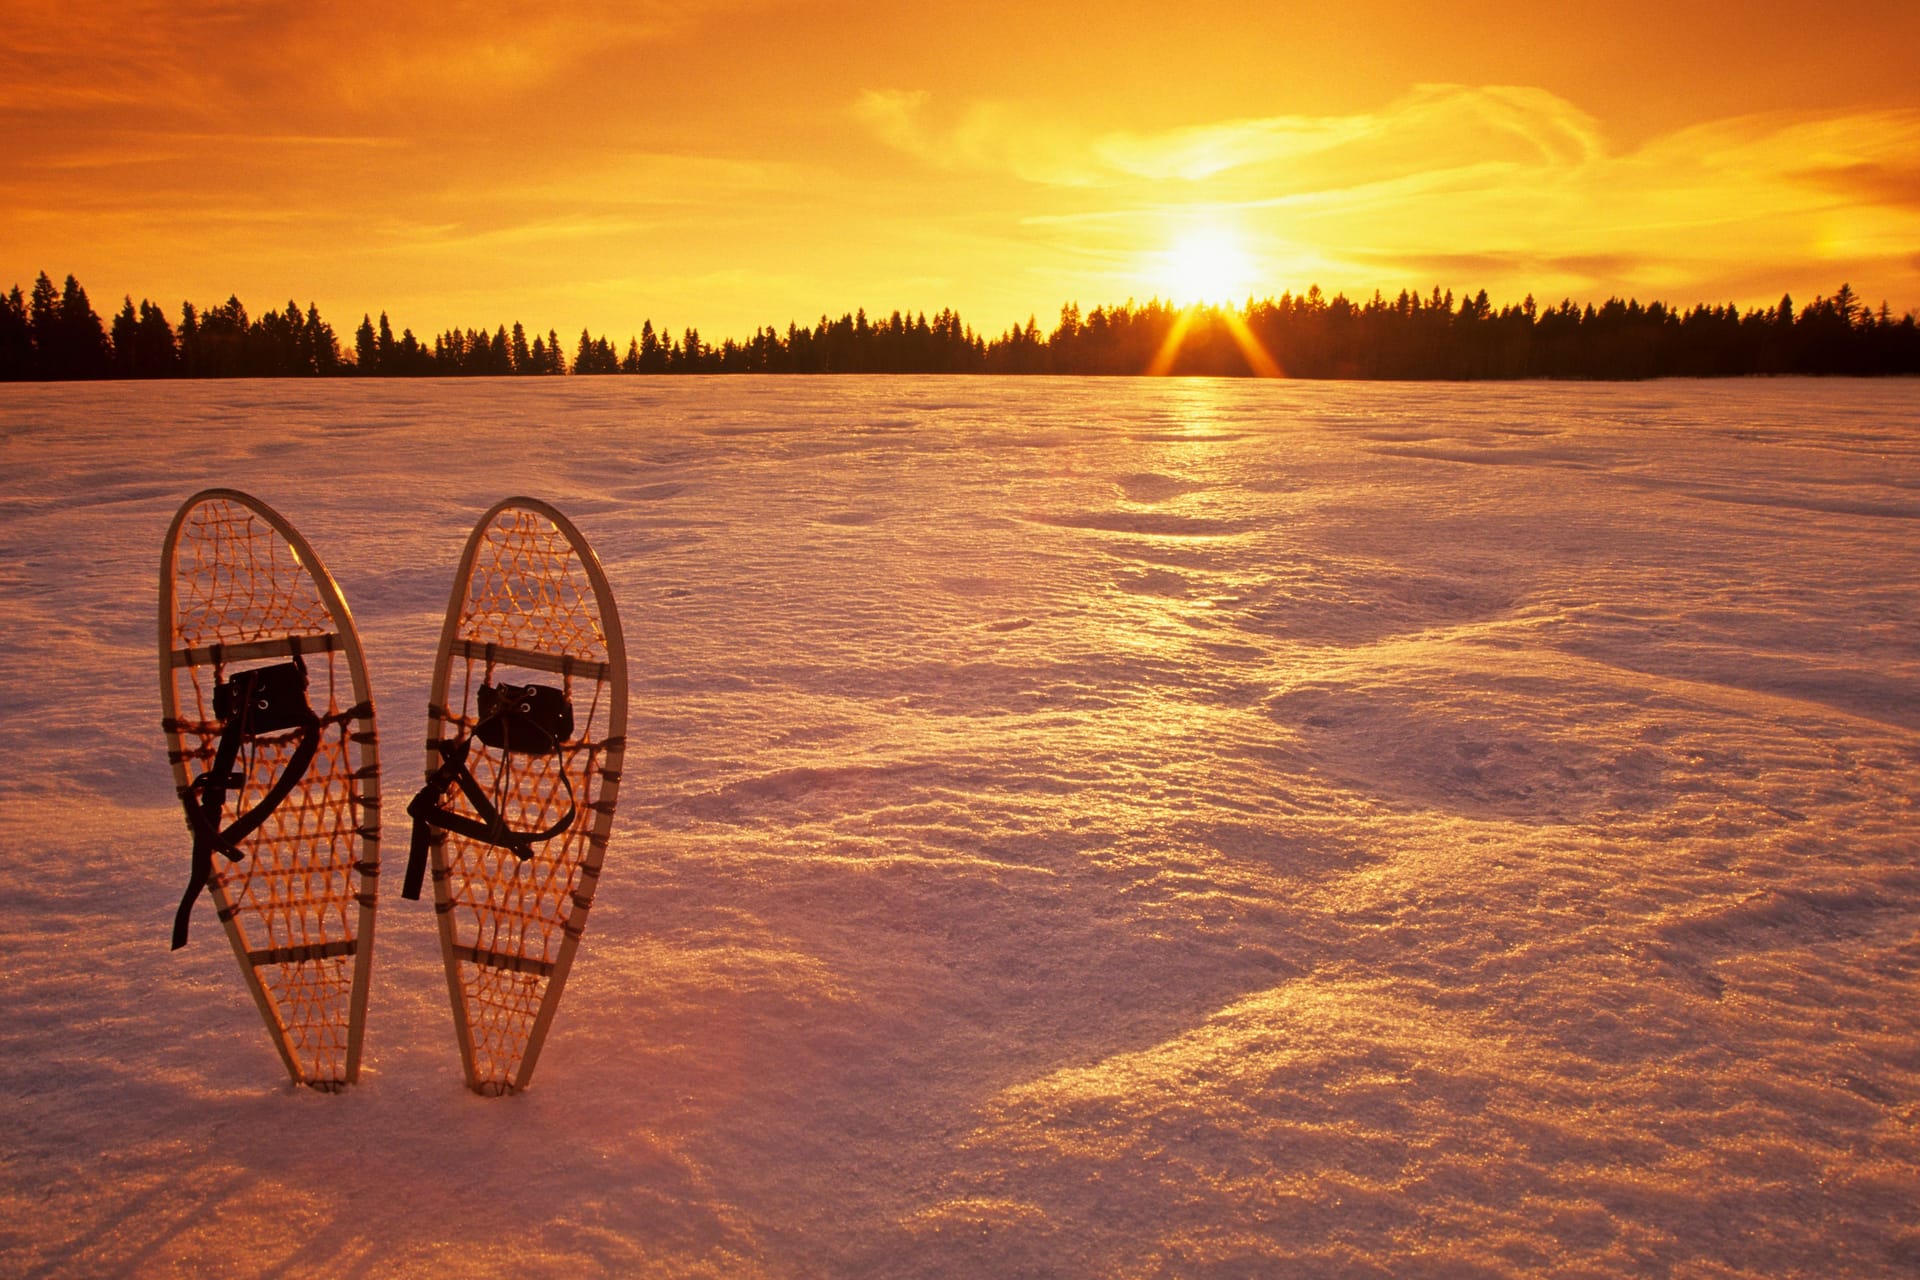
[{"x": 728, "y": 164}]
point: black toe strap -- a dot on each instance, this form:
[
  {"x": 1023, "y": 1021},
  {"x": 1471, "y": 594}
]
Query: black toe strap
[
  {"x": 205, "y": 797},
  {"x": 486, "y": 824}
]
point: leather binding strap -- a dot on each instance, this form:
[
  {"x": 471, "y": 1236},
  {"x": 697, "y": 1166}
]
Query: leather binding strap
[
  {"x": 487, "y": 825},
  {"x": 250, "y": 707}
]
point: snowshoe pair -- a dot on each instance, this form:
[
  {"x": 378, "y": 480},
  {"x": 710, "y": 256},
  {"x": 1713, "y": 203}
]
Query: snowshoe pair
[{"x": 271, "y": 732}]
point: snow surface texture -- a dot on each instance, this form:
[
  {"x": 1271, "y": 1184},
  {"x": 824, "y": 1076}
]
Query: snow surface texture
[{"x": 1073, "y": 828}]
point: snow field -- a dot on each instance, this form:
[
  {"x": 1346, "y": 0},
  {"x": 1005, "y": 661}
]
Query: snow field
[{"x": 1071, "y": 828}]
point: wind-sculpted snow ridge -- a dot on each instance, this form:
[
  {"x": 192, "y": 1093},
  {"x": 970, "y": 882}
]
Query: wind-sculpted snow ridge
[{"x": 1072, "y": 828}]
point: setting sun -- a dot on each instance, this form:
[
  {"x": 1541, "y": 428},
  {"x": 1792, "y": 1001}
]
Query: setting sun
[{"x": 1206, "y": 264}]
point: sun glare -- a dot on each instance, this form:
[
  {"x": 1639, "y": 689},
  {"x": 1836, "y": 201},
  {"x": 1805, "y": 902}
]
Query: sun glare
[
  {"x": 1207, "y": 274},
  {"x": 1207, "y": 265}
]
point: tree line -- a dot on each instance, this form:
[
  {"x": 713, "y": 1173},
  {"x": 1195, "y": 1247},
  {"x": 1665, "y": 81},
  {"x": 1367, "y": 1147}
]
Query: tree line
[{"x": 55, "y": 334}]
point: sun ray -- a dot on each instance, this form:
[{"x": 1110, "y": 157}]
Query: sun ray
[
  {"x": 1260, "y": 362},
  {"x": 1258, "y": 358},
  {"x": 1170, "y": 346}
]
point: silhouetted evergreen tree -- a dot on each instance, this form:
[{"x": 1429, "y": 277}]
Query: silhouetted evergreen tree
[
  {"x": 69, "y": 340},
  {"x": 595, "y": 355},
  {"x": 125, "y": 326},
  {"x": 143, "y": 343},
  {"x": 366, "y": 347},
  {"x": 321, "y": 344},
  {"x": 220, "y": 351},
  {"x": 189, "y": 341},
  {"x": 16, "y": 338},
  {"x": 411, "y": 359},
  {"x": 43, "y": 323},
  {"x": 158, "y": 353}
]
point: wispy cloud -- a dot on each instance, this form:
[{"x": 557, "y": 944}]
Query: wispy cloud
[
  {"x": 309, "y": 63},
  {"x": 1510, "y": 186},
  {"x": 1204, "y": 151},
  {"x": 1434, "y": 126},
  {"x": 991, "y": 137}
]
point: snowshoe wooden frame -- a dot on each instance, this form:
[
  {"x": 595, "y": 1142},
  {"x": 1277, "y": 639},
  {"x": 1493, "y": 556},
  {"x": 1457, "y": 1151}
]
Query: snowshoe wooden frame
[
  {"x": 530, "y": 598},
  {"x": 298, "y": 907}
]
